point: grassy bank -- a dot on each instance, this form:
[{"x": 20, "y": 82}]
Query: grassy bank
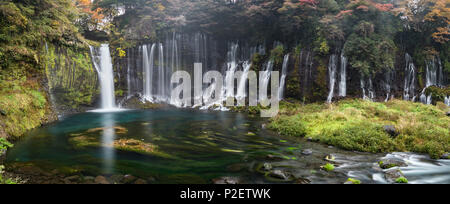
[
  {"x": 23, "y": 106},
  {"x": 358, "y": 125}
]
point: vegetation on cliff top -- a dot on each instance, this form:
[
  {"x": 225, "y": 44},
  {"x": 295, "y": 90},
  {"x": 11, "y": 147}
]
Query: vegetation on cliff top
[{"x": 359, "y": 125}]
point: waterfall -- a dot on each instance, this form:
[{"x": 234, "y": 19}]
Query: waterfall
[
  {"x": 283, "y": 77},
  {"x": 433, "y": 68},
  {"x": 231, "y": 69},
  {"x": 241, "y": 91},
  {"x": 332, "y": 68},
  {"x": 387, "y": 84},
  {"x": 103, "y": 65},
  {"x": 343, "y": 76},
  {"x": 431, "y": 73},
  {"x": 447, "y": 100},
  {"x": 367, "y": 88},
  {"x": 410, "y": 79},
  {"x": 161, "y": 97},
  {"x": 265, "y": 79},
  {"x": 148, "y": 62}
]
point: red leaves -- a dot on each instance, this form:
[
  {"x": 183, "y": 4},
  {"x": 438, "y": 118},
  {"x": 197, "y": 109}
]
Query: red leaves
[
  {"x": 308, "y": 2},
  {"x": 384, "y": 7},
  {"x": 344, "y": 13}
]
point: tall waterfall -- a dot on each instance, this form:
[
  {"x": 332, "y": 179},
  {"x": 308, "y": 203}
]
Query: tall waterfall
[
  {"x": 241, "y": 91},
  {"x": 162, "y": 86},
  {"x": 148, "y": 61},
  {"x": 103, "y": 65},
  {"x": 232, "y": 65},
  {"x": 389, "y": 75},
  {"x": 343, "y": 76},
  {"x": 447, "y": 100},
  {"x": 283, "y": 77},
  {"x": 367, "y": 89},
  {"x": 265, "y": 79},
  {"x": 434, "y": 77},
  {"x": 332, "y": 68},
  {"x": 410, "y": 79}
]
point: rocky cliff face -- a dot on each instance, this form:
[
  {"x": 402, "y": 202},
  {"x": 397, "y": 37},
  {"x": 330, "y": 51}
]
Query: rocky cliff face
[{"x": 73, "y": 82}]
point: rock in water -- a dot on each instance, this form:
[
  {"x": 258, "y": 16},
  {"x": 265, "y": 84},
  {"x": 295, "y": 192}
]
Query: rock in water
[
  {"x": 278, "y": 174},
  {"x": 392, "y": 162},
  {"x": 267, "y": 167},
  {"x": 307, "y": 152},
  {"x": 390, "y": 129},
  {"x": 226, "y": 180},
  {"x": 393, "y": 174},
  {"x": 101, "y": 180},
  {"x": 140, "y": 181},
  {"x": 128, "y": 179}
]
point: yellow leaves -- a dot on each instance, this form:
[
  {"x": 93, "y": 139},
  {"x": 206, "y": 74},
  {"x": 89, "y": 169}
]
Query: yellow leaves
[
  {"x": 440, "y": 13},
  {"x": 121, "y": 52},
  {"x": 160, "y": 7},
  {"x": 442, "y": 35}
]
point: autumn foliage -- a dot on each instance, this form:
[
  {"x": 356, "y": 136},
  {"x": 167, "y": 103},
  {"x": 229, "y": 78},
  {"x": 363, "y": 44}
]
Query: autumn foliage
[{"x": 95, "y": 15}]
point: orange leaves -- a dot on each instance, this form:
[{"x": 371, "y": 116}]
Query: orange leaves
[
  {"x": 86, "y": 7},
  {"x": 440, "y": 13},
  {"x": 344, "y": 13},
  {"x": 308, "y": 2},
  {"x": 384, "y": 7},
  {"x": 441, "y": 35}
]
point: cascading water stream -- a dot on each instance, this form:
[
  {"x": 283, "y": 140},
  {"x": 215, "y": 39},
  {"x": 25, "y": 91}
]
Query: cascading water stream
[
  {"x": 343, "y": 76},
  {"x": 241, "y": 91},
  {"x": 148, "y": 62},
  {"x": 367, "y": 89},
  {"x": 410, "y": 79},
  {"x": 387, "y": 85},
  {"x": 447, "y": 100},
  {"x": 283, "y": 77},
  {"x": 433, "y": 68},
  {"x": 265, "y": 80},
  {"x": 231, "y": 69},
  {"x": 332, "y": 68},
  {"x": 162, "y": 86},
  {"x": 103, "y": 65}
]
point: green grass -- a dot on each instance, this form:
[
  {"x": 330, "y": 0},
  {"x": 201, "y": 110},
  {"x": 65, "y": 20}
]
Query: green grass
[
  {"x": 328, "y": 167},
  {"x": 357, "y": 125},
  {"x": 401, "y": 180},
  {"x": 354, "y": 181},
  {"x": 25, "y": 107},
  {"x": 4, "y": 144}
]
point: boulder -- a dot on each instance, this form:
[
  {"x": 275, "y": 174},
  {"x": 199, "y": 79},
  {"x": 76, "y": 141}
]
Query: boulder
[
  {"x": 227, "y": 180},
  {"x": 307, "y": 152},
  {"x": 267, "y": 167},
  {"x": 72, "y": 178},
  {"x": 393, "y": 174},
  {"x": 140, "y": 181},
  {"x": 445, "y": 156},
  {"x": 2, "y": 112},
  {"x": 101, "y": 180},
  {"x": 390, "y": 129},
  {"x": 391, "y": 162},
  {"x": 278, "y": 174},
  {"x": 128, "y": 179},
  {"x": 302, "y": 181}
]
